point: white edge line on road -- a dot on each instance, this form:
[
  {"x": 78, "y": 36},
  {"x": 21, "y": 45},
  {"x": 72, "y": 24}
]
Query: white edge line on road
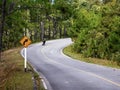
[
  {"x": 105, "y": 79},
  {"x": 44, "y": 84},
  {"x": 43, "y": 81},
  {"x": 61, "y": 51}
]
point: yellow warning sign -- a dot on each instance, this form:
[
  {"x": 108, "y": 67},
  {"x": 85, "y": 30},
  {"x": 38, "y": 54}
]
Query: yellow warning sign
[{"x": 25, "y": 41}]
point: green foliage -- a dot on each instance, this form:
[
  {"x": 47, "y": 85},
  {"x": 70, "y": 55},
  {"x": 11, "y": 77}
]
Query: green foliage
[{"x": 98, "y": 33}]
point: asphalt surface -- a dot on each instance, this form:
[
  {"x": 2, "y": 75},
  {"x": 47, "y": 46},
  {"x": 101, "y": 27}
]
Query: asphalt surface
[{"x": 64, "y": 73}]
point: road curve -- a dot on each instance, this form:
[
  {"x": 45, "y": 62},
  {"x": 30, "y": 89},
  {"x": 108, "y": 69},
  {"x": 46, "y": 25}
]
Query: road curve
[{"x": 64, "y": 73}]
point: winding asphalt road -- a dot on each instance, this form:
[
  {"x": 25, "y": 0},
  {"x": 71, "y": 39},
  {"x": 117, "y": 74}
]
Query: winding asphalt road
[{"x": 64, "y": 73}]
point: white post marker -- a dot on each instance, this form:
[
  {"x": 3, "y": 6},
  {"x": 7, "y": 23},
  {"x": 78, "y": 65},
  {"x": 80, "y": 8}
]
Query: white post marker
[
  {"x": 25, "y": 61},
  {"x": 25, "y": 41}
]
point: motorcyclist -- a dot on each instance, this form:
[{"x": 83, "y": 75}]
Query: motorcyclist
[{"x": 44, "y": 41}]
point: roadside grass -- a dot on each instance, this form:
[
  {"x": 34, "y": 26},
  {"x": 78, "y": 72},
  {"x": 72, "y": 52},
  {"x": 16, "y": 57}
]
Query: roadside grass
[
  {"x": 12, "y": 75},
  {"x": 69, "y": 52}
]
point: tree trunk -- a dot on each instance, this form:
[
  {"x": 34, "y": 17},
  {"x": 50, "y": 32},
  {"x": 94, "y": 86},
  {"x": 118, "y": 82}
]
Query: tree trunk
[
  {"x": 42, "y": 30},
  {"x": 60, "y": 31},
  {"x": 2, "y": 22},
  {"x": 54, "y": 27},
  {"x": 64, "y": 31},
  {"x": 49, "y": 30},
  {"x": 30, "y": 33}
]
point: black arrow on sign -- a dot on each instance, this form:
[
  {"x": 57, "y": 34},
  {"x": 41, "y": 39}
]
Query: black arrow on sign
[{"x": 25, "y": 41}]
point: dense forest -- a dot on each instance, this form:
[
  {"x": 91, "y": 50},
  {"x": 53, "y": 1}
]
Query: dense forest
[{"x": 93, "y": 25}]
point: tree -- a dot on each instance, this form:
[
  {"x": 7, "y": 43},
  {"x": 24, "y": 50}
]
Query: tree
[{"x": 3, "y": 4}]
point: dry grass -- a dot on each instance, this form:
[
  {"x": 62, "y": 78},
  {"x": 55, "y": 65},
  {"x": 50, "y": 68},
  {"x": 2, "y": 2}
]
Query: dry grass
[
  {"x": 12, "y": 75},
  {"x": 68, "y": 51}
]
